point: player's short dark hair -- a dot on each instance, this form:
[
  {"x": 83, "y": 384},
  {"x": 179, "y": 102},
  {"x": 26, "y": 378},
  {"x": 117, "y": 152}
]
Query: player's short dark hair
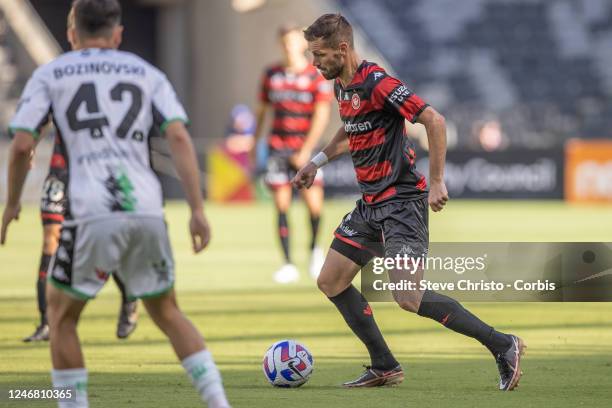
[
  {"x": 332, "y": 29},
  {"x": 96, "y": 18}
]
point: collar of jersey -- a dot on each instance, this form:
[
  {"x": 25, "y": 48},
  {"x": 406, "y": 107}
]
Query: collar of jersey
[{"x": 353, "y": 83}]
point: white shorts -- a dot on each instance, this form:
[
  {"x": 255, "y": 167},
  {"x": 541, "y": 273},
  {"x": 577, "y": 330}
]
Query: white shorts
[{"x": 135, "y": 247}]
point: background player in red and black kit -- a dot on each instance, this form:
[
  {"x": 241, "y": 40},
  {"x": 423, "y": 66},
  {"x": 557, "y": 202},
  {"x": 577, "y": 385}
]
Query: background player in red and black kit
[
  {"x": 52, "y": 209},
  {"x": 393, "y": 212},
  {"x": 300, "y": 99}
]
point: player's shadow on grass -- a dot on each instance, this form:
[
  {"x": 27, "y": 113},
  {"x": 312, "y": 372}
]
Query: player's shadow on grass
[
  {"x": 430, "y": 382},
  {"x": 135, "y": 341},
  {"x": 266, "y": 291},
  {"x": 191, "y": 312}
]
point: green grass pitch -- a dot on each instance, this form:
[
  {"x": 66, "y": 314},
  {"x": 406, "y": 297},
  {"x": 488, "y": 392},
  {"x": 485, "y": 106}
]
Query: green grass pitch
[{"x": 228, "y": 293}]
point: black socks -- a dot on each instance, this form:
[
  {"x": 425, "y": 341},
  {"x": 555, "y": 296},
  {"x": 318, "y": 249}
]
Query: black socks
[
  {"x": 359, "y": 317},
  {"x": 121, "y": 287},
  {"x": 283, "y": 233},
  {"x": 451, "y": 314},
  {"x": 314, "y": 228},
  {"x": 41, "y": 285}
]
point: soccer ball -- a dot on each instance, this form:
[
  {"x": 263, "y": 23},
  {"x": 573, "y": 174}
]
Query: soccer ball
[{"x": 287, "y": 364}]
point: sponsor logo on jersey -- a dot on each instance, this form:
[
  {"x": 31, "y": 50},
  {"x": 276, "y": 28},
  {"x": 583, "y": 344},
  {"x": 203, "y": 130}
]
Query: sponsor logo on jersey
[
  {"x": 355, "y": 101},
  {"x": 357, "y": 127},
  {"x": 104, "y": 154},
  {"x": 378, "y": 75},
  {"x": 121, "y": 189},
  {"x": 399, "y": 95},
  {"x": 297, "y": 96}
]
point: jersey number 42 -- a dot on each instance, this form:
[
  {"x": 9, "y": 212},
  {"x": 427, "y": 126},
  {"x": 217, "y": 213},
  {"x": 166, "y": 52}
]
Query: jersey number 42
[{"x": 87, "y": 94}]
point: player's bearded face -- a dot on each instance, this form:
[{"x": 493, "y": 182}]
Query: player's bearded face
[
  {"x": 328, "y": 61},
  {"x": 331, "y": 68}
]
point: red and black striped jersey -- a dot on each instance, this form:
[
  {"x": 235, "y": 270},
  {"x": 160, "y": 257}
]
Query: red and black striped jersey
[
  {"x": 373, "y": 108},
  {"x": 58, "y": 162},
  {"x": 293, "y": 97}
]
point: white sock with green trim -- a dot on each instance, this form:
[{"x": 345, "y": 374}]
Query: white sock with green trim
[
  {"x": 206, "y": 378},
  {"x": 75, "y": 381}
]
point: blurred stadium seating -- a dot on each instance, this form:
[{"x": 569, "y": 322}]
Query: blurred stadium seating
[{"x": 541, "y": 68}]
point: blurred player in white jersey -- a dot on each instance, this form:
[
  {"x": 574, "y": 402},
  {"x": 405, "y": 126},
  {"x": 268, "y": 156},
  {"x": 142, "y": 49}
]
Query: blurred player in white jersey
[{"x": 104, "y": 103}]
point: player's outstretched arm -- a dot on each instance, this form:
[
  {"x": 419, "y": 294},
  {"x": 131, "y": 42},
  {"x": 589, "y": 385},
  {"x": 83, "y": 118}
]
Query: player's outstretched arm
[
  {"x": 435, "y": 125},
  {"x": 337, "y": 146},
  {"x": 19, "y": 164},
  {"x": 186, "y": 163}
]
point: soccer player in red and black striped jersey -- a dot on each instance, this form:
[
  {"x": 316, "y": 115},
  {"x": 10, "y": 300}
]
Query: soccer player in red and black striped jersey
[
  {"x": 392, "y": 215},
  {"x": 300, "y": 100}
]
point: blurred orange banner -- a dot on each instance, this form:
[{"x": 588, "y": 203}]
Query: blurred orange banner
[{"x": 588, "y": 171}]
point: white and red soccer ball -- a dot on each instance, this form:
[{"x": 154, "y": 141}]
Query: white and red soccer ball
[{"x": 287, "y": 364}]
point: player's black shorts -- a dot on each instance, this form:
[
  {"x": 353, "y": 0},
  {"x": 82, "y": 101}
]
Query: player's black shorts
[
  {"x": 280, "y": 171},
  {"x": 53, "y": 202},
  {"x": 388, "y": 229}
]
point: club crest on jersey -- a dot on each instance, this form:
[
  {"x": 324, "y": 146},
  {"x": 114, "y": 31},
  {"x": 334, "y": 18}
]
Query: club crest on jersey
[{"x": 355, "y": 101}]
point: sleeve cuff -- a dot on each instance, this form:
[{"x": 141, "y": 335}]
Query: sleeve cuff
[
  {"x": 167, "y": 123},
  {"x": 416, "y": 115},
  {"x": 35, "y": 134}
]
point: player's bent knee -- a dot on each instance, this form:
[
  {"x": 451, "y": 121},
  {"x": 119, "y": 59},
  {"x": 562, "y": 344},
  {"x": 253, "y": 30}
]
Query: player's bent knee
[
  {"x": 331, "y": 287},
  {"x": 412, "y": 307},
  {"x": 324, "y": 285},
  {"x": 327, "y": 281},
  {"x": 408, "y": 302}
]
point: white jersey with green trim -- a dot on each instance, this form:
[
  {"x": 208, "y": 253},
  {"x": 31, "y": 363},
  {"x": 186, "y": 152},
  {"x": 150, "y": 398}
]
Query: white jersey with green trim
[{"x": 104, "y": 104}]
